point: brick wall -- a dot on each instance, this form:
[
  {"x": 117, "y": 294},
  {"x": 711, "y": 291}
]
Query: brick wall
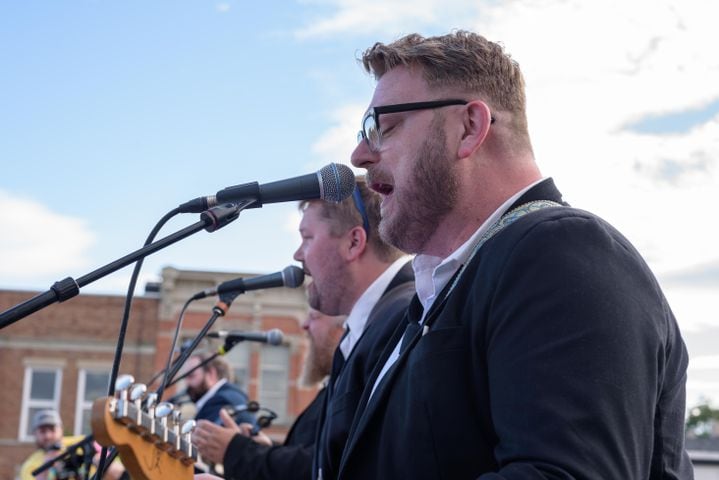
[
  {"x": 80, "y": 332},
  {"x": 84, "y": 331}
]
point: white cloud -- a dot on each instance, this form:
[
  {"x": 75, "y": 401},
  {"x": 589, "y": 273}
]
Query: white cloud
[
  {"x": 699, "y": 391},
  {"x": 292, "y": 222},
  {"x": 37, "y": 242},
  {"x": 223, "y": 7},
  {"x": 707, "y": 362},
  {"x": 337, "y": 143},
  {"x": 380, "y": 16}
]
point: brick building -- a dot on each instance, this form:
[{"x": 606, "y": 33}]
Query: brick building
[{"x": 61, "y": 356}]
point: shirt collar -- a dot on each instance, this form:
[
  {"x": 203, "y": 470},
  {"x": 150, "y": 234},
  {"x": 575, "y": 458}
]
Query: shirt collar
[
  {"x": 432, "y": 273},
  {"x": 357, "y": 319},
  {"x": 208, "y": 394}
]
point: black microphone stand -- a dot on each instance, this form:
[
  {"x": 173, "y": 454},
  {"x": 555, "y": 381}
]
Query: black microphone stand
[
  {"x": 219, "y": 310},
  {"x": 210, "y": 220}
]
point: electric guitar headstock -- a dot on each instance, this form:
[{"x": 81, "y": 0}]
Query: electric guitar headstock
[{"x": 152, "y": 441}]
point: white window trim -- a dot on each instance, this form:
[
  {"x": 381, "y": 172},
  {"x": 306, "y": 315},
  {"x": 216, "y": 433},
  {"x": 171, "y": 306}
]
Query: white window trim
[
  {"x": 27, "y": 404},
  {"x": 283, "y": 418},
  {"x": 80, "y": 403}
]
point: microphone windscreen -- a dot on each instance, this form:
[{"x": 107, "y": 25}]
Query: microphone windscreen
[
  {"x": 293, "y": 276},
  {"x": 337, "y": 182},
  {"x": 274, "y": 336}
]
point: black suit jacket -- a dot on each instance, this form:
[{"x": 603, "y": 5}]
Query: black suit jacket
[
  {"x": 245, "y": 459},
  {"x": 350, "y": 382},
  {"x": 556, "y": 356}
]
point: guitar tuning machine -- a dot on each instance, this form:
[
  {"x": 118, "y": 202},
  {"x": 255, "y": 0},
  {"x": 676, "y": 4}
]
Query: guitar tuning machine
[
  {"x": 186, "y": 431},
  {"x": 150, "y": 402},
  {"x": 162, "y": 412},
  {"x": 150, "y": 406},
  {"x": 122, "y": 386},
  {"x": 176, "y": 419},
  {"x": 137, "y": 392}
]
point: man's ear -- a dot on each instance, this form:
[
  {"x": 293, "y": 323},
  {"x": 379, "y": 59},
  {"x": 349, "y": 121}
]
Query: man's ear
[
  {"x": 476, "y": 121},
  {"x": 356, "y": 243}
]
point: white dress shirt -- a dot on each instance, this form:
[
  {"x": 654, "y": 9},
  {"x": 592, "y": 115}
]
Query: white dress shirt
[{"x": 357, "y": 319}]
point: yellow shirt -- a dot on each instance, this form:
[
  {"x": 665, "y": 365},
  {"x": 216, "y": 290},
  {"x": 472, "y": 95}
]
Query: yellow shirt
[{"x": 37, "y": 458}]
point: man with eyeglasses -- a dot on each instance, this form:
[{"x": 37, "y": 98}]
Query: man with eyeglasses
[
  {"x": 355, "y": 273},
  {"x": 539, "y": 344}
]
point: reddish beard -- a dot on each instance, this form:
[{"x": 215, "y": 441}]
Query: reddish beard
[{"x": 428, "y": 195}]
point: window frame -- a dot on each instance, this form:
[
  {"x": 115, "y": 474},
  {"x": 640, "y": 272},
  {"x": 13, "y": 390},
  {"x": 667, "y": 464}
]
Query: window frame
[
  {"x": 28, "y": 403},
  {"x": 80, "y": 403}
]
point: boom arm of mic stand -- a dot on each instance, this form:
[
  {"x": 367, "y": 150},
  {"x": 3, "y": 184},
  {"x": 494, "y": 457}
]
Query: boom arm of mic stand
[{"x": 211, "y": 220}]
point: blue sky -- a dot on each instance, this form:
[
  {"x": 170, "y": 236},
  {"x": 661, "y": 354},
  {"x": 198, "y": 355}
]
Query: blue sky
[{"x": 113, "y": 113}]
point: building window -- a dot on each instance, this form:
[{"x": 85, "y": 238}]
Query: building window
[
  {"x": 41, "y": 390},
  {"x": 91, "y": 385},
  {"x": 239, "y": 359},
  {"x": 274, "y": 373}
]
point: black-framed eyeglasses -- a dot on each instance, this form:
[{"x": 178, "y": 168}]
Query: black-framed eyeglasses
[
  {"x": 359, "y": 205},
  {"x": 371, "y": 131}
]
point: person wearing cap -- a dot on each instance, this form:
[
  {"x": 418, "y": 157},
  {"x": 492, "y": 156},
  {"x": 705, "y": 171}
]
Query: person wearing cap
[{"x": 47, "y": 429}]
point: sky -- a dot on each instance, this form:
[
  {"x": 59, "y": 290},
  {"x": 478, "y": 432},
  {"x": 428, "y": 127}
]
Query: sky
[{"x": 114, "y": 113}]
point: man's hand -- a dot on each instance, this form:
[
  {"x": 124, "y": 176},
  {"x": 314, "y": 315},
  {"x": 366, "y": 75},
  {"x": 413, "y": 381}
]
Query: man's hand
[
  {"x": 212, "y": 440},
  {"x": 259, "y": 437}
]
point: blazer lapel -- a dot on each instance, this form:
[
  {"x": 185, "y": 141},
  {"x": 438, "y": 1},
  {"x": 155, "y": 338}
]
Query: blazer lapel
[
  {"x": 367, "y": 406},
  {"x": 370, "y": 402}
]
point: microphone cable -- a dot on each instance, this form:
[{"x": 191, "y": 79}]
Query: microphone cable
[{"x": 123, "y": 325}]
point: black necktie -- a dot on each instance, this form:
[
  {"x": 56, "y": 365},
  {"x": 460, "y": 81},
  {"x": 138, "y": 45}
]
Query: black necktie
[
  {"x": 414, "y": 315},
  {"x": 338, "y": 361}
]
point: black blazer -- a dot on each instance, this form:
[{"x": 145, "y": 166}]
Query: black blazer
[
  {"x": 556, "y": 356},
  {"x": 245, "y": 459},
  {"x": 352, "y": 378}
]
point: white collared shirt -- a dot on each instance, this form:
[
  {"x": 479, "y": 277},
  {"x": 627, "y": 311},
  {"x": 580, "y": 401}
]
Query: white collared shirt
[
  {"x": 357, "y": 319},
  {"x": 208, "y": 394},
  {"x": 431, "y": 273}
]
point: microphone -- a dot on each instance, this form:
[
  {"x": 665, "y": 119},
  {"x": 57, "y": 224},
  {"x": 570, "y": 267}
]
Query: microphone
[
  {"x": 290, "y": 277},
  {"x": 272, "y": 337},
  {"x": 333, "y": 183}
]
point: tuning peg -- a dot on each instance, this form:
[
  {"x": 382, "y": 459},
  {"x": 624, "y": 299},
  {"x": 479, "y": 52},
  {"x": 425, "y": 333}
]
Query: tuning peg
[
  {"x": 187, "y": 428},
  {"x": 186, "y": 431},
  {"x": 151, "y": 426},
  {"x": 135, "y": 408},
  {"x": 138, "y": 391},
  {"x": 176, "y": 416},
  {"x": 176, "y": 419},
  {"x": 150, "y": 402},
  {"x": 162, "y": 411},
  {"x": 124, "y": 382}
]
